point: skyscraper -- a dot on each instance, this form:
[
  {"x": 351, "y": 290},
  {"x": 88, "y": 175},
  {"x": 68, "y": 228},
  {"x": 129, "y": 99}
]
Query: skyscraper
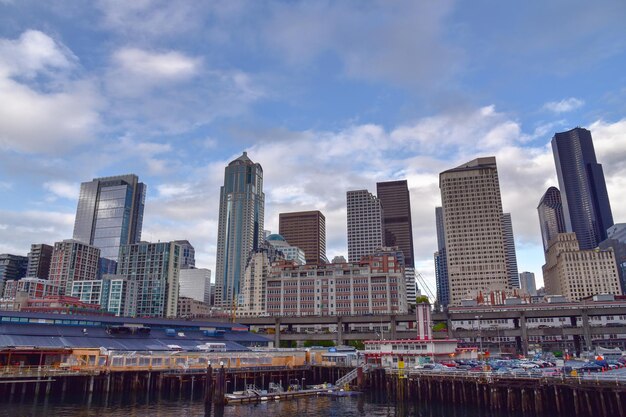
[
  {"x": 195, "y": 283},
  {"x": 586, "y": 205},
  {"x": 110, "y": 213},
  {"x": 39, "y": 261},
  {"x": 527, "y": 283},
  {"x": 365, "y": 224},
  {"x": 441, "y": 261},
  {"x": 240, "y": 229},
  {"x": 152, "y": 274},
  {"x": 511, "y": 257},
  {"x": 307, "y": 231},
  {"x": 12, "y": 267},
  {"x": 398, "y": 230},
  {"x": 473, "y": 227},
  {"x": 551, "y": 218}
]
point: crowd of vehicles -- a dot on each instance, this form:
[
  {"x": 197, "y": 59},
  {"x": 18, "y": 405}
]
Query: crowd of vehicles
[{"x": 526, "y": 367}]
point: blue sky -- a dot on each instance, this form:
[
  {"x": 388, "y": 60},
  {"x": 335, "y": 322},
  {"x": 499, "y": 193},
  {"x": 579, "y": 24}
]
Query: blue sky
[{"x": 327, "y": 96}]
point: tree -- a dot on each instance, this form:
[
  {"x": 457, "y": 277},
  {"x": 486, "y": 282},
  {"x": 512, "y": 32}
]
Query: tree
[
  {"x": 422, "y": 299},
  {"x": 323, "y": 343},
  {"x": 440, "y": 327},
  {"x": 358, "y": 344}
]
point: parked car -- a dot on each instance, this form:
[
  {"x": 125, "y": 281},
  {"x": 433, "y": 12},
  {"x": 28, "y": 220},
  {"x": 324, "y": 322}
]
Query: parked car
[{"x": 590, "y": 367}]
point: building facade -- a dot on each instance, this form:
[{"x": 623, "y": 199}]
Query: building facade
[
  {"x": 307, "y": 231},
  {"x": 551, "y": 219},
  {"x": 12, "y": 267},
  {"x": 73, "y": 261},
  {"x": 110, "y": 213},
  {"x": 376, "y": 285},
  {"x": 527, "y": 283},
  {"x": 473, "y": 227},
  {"x": 240, "y": 228},
  {"x": 511, "y": 256},
  {"x": 32, "y": 287},
  {"x": 441, "y": 261},
  {"x": 252, "y": 298},
  {"x": 152, "y": 274},
  {"x": 398, "y": 229},
  {"x": 575, "y": 273},
  {"x": 290, "y": 253},
  {"x": 365, "y": 224},
  {"x": 617, "y": 241},
  {"x": 196, "y": 284},
  {"x": 586, "y": 206},
  {"x": 188, "y": 254},
  {"x": 192, "y": 308},
  {"x": 39, "y": 259}
]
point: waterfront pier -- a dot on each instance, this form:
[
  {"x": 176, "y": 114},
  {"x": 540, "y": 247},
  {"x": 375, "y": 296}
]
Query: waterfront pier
[{"x": 584, "y": 396}]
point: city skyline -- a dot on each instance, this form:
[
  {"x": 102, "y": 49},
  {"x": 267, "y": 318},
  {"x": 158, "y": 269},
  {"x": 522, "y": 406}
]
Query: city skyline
[{"x": 114, "y": 89}]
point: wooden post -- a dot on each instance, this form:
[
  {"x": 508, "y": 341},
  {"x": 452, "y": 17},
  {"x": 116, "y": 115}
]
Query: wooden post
[
  {"x": 589, "y": 406},
  {"x": 602, "y": 403},
  {"x": 576, "y": 402},
  {"x": 618, "y": 400},
  {"x": 557, "y": 399},
  {"x": 208, "y": 388}
]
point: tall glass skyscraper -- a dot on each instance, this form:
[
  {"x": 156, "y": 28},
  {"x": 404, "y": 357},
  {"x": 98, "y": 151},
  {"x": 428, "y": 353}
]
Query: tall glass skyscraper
[
  {"x": 398, "y": 230},
  {"x": 585, "y": 200},
  {"x": 441, "y": 261},
  {"x": 110, "y": 213},
  {"x": 551, "y": 218},
  {"x": 240, "y": 229}
]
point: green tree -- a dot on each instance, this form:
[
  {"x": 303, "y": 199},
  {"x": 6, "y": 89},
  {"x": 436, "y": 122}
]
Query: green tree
[
  {"x": 323, "y": 343},
  {"x": 422, "y": 299},
  {"x": 358, "y": 344},
  {"x": 440, "y": 327}
]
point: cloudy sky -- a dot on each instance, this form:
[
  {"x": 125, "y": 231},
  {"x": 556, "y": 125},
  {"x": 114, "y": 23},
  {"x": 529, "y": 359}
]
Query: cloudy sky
[{"x": 327, "y": 96}]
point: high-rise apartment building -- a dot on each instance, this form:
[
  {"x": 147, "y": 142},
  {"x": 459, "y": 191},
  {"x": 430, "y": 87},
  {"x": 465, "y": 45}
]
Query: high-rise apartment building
[
  {"x": 240, "y": 228},
  {"x": 551, "y": 219},
  {"x": 73, "y": 261},
  {"x": 110, "y": 213},
  {"x": 586, "y": 206},
  {"x": 253, "y": 291},
  {"x": 307, "y": 231},
  {"x": 196, "y": 284},
  {"x": 152, "y": 274},
  {"x": 12, "y": 267},
  {"x": 39, "y": 261},
  {"x": 576, "y": 273},
  {"x": 187, "y": 255},
  {"x": 473, "y": 227},
  {"x": 441, "y": 261},
  {"x": 365, "y": 224},
  {"x": 527, "y": 283},
  {"x": 511, "y": 257},
  {"x": 397, "y": 227}
]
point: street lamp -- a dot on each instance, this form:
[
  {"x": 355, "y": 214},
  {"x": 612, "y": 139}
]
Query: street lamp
[{"x": 302, "y": 383}]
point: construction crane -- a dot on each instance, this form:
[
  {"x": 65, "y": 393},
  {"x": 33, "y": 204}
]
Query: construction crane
[{"x": 422, "y": 284}]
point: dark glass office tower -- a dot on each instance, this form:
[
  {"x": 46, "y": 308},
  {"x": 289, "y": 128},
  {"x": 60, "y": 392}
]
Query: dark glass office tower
[
  {"x": 398, "y": 229},
  {"x": 110, "y": 213},
  {"x": 585, "y": 200},
  {"x": 240, "y": 227},
  {"x": 441, "y": 261},
  {"x": 551, "y": 218}
]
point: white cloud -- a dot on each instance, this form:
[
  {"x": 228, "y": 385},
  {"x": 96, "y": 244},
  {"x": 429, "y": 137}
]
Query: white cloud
[
  {"x": 32, "y": 53},
  {"x": 32, "y": 226},
  {"x": 565, "y": 105},
  {"x": 48, "y": 119},
  {"x": 171, "y": 65},
  {"x": 63, "y": 189}
]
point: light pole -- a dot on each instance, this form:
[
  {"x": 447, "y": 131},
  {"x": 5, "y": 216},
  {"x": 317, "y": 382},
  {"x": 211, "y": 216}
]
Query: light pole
[
  {"x": 302, "y": 383},
  {"x": 480, "y": 335}
]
